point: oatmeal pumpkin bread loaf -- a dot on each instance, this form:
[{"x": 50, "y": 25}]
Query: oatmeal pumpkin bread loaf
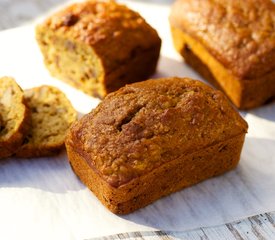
[
  {"x": 98, "y": 46},
  {"x": 231, "y": 44},
  {"x": 51, "y": 116},
  {"x": 14, "y": 117},
  {"x": 153, "y": 138}
]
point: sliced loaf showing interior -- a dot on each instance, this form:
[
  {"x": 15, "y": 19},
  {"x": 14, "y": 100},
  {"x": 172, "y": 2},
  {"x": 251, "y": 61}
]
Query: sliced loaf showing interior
[{"x": 15, "y": 117}]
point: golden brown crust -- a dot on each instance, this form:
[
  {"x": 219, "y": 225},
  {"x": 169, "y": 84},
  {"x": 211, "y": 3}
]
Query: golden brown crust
[
  {"x": 240, "y": 34},
  {"x": 145, "y": 126},
  {"x": 51, "y": 116},
  {"x": 164, "y": 180},
  {"x": 105, "y": 23},
  {"x": 15, "y": 117},
  {"x": 115, "y": 35},
  {"x": 244, "y": 93}
]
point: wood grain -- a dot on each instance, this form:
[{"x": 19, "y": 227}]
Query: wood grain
[{"x": 256, "y": 227}]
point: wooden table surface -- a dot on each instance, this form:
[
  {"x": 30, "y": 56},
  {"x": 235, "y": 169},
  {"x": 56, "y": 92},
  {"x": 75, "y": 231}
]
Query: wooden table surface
[{"x": 14, "y": 13}]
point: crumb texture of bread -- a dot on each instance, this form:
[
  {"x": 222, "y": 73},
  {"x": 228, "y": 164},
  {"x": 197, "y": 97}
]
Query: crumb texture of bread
[
  {"x": 234, "y": 40},
  {"x": 14, "y": 117},
  {"x": 51, "y": 116},
  {"x": 98, "y": 46},
  {"x": 142, "y": 138}
]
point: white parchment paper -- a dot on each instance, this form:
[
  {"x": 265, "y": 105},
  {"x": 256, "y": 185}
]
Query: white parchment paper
[{"x": 43, "y": 199}]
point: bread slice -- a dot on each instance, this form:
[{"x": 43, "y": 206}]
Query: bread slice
[
  {"x": 15, "y": 117},
  {"x": 52, "y": 114}
]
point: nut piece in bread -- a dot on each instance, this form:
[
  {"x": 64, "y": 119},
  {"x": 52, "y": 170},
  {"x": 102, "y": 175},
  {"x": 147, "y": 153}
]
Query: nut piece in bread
[
  {"x": 51, "y": 116},
  {"x": 231, "y": 44},
  {"x": 98, "y": 46},
  {"x": 153, "y": 138},
  {"x": 15, "y": 117}
]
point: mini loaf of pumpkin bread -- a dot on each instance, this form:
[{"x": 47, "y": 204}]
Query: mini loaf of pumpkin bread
[
  {"x": 51, "y": 116},
  {"x": 231, "y": 44},
  {"x": 98, "y": 46},
  {"x": 15, "y": 117},
  {"x": 153, "y": 138}
]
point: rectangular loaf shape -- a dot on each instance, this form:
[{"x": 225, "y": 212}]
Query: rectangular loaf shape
[
  {"x": 153, "y": 138},
  {"x": 168, "y": 178},
  {"x": 98, "y": 46},
  {"x": 231, "y": 44}
]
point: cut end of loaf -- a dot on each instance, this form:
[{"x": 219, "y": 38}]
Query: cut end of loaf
[
  {"x": 15, "y": 117},
  {"x": 72, "y": 62},
  {"x": 98, "y": 46}
]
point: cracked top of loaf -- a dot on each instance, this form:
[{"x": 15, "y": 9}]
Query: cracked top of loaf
[
  {"x": 103, "y": 23},
  {"x": 144, "y": 125},
  {"x": 240, "y": 34}
]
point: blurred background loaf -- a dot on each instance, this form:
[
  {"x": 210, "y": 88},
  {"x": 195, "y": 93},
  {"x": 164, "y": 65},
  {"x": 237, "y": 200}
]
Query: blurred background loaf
[
  {"x": 231, "y": 44},
  {"x": 98, "y": 46}
]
